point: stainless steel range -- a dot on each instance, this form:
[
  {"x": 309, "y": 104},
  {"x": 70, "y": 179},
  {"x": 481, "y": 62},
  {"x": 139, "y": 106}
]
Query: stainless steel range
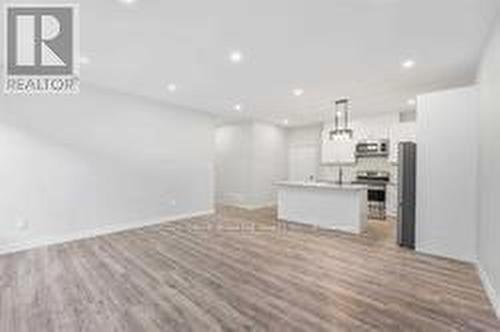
[{"x": 377, "y": 191}]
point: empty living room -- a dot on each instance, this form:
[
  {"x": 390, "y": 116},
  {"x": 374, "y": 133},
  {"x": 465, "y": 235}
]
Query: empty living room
[{"x": 249, "y": 165}]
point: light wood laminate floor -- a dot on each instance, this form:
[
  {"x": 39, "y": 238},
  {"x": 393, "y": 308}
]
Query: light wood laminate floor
[{"x": 239, "y": 271}]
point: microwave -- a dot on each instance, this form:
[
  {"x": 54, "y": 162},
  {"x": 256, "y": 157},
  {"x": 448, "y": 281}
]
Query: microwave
[{"x": 373, "y": 148}]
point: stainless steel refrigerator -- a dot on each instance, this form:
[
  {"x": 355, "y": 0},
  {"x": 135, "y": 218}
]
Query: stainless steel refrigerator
[{"x": 407, "y": 174}]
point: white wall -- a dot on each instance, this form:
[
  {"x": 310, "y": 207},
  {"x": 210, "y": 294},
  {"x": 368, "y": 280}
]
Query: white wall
[
  {"x": 77, "y": 165},
  {"x": 446, "y": 173},
  {"x": 270, "y": 162},
  {"x": 233, "y": 163},
  {"x": 250, "y": 157},
  {"x": 489, "y": 166},
  {"x": 304, "y": 156}
]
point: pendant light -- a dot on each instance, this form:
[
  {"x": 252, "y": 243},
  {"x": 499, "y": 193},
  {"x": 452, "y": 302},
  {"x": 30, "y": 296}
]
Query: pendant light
[{"x": 341, "y": 129}]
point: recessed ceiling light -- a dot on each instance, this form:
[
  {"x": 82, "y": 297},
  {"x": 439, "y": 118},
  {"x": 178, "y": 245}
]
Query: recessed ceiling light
[
  {"x": 172, "y": 87},
  {"x": 408, "y": 64},
  {"x": 84, "y": 60},
  {"x": 238, "y": 107},
  {"x": 236, "y": 57},
  {"x": 286, "y": 122},
  {"x": 128, "y": 2},
  {"x": 298, "y": 92},
  {"x": 412, "y": 102}
]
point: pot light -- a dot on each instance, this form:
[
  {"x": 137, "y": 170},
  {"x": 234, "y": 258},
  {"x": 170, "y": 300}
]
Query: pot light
[
  {"x": 238, "y": 107},
  {"x": 236, "y": 57},
  {"x": 286, "y": 122},
  {"x": 412, "y": 102},
  {"x": 298, "y": 92},
  {"x": 128, "y": 2},
  {"x": 84, "y": 60},
  {"x": 171, "y": 87},
  {"x": 408, "y": 64}
]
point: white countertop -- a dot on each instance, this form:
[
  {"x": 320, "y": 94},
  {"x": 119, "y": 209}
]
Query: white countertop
[{"x": 321, "y": 185}]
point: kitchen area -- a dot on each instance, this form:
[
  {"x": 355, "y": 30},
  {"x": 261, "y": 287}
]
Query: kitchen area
[
  {"x": 354, "y": 171},
  {"x": 374, "y": 157}
]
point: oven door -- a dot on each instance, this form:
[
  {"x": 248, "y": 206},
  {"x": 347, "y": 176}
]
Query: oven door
[{"x": 377, "y": 197}]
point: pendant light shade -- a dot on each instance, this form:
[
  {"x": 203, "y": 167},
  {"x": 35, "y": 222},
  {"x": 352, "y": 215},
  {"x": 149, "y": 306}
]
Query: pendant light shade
[{"x": 341, "y": 129}]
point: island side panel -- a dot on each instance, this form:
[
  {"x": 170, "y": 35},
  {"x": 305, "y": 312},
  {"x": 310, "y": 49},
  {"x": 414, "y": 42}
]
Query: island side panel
[
  {"x": 363, "y": 209},
  {"x": 327, "y": 208}
]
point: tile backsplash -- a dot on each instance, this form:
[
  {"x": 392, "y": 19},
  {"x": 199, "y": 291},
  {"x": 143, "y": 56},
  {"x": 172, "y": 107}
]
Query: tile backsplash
[{"x": 331, "y": 172}]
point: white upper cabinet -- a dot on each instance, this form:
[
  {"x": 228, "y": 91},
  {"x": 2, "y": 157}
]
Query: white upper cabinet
[
  {"x": 337, "y": 151},
  {"x": 347, "y": 151},
  {"x": 328, "y": 152},
  {"x": 408, "y": 132},
  {"x": 394, "y": 142},
  {"x": 401, "y": 132},
  {"x": 374, "y": 127}
]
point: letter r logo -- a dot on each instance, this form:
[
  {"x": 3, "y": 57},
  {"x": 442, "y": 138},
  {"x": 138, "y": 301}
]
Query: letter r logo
[{"x": 40, "y": 41}]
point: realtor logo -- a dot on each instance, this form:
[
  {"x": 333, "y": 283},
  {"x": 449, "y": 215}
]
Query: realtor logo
[{"x": 40, "y": 49}]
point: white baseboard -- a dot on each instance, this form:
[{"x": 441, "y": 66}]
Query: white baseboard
[
  {"x": 437, "y": 249},
  {"x": 248, "y": 201},
  {"x": 90, "y": 233},
  {"x": 254, "y": 206},
  {"x": 493, "y": 295}
]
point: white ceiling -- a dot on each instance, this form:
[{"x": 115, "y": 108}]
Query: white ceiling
[{"x": 329, "y": 48}]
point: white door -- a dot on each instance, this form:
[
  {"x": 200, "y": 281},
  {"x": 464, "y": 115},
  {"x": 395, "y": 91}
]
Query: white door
[{"x": 303, "y": 162}]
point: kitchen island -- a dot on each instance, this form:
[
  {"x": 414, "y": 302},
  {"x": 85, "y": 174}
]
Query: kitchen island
[{"x": 326, "y": 205}]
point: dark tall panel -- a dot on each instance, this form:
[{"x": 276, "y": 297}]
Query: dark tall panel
[{"x": 407, "y": 194}]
